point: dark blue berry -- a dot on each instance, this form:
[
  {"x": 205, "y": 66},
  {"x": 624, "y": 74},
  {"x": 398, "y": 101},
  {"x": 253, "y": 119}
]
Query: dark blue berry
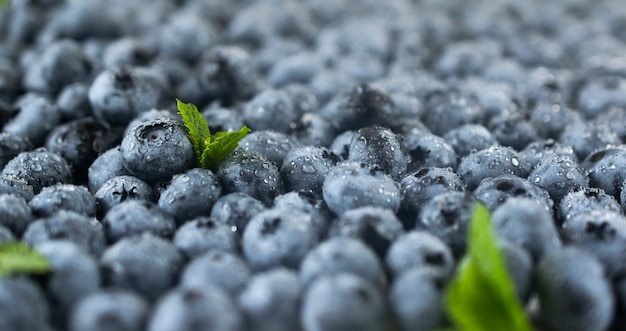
[
  {"x": 305, "y": 168},
  {"x": 15, "y": 213},
  {"x": 558, "y": 175},
  {"x": 491, "y": 162},
  {"x": 270, "y": 110},
  {"x": 132, "y": 217},
  {"x": 36, "y": 118},
  {"x": 607, "y": 169},
  {"x": 379, "y": 148},
  {"x": 429, "y": 150},
  {"x": 119, "y": 189},
  {"x": 418, "y": 249},
  {"x": 587, "y": 137},
  {"x": 494, "y": 191},
  {"x": 226, "y": 271},
  {"x": 69, "y": 197},
  {"x": 469, "y": 138},
  {"x": 110, "y": 309},
  {"x": 202, "y": 234},
  {"x": 235, "y": 210},
  {"x": 11, "y": 145},
  {"x": 24, "y": 305},
  {"x": 272, "y": 145}
]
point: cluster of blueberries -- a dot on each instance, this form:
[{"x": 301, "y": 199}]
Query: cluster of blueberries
[{"x": 377, "y": 126}]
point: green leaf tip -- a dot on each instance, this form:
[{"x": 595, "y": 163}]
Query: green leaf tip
[
  {"x": 481, "y": 297},
  {"x": 19, "y": 258},
  {"x": 210, "y": 149}
]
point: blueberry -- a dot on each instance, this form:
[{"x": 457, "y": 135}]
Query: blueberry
[
  {"x": 606, "y": 169},
  {"x": 157, "y": 150},
  {"x": 235, "y": 210},
  {"x": 145, "y": 263},
  {"x": 558, "y": 175},
  {"x": 252, "y": 174},
  {"x": 601, "y": 233},
  {"x": 12, "y": 145},
  {"x": 185, "y": 35},
  {"x": 201, "y": 308},
  {"x": 6, "y": 236},
  {"x": 491, "y": 162},
  {"x": 271, "y": 144},
  {"x": 469, "y": 138},
  {"x": 526, "y": 223},
  {"x": 36, "y": 118},
  {"x": 573, "y": 292},
  {"x": 379, "y": 148},
  {"x": 418, "y": 249},
  {"x": 419, "y": 186},
  {"x": 416, "y": 300},
  {"x": 191, "y": 194},
  {"x": 84, "y": 20},
  {"x": 23, "y": 305},
  {"x": 342, "y": 302},
  {"x": 327, "y": 83},
  {"x": 429, "y": 150},
  {"x": 360, "y": 106},
  {"x": 12, "y": 184},
  {"x": 52, "y": 199},
  {"x": 514, "y": 129},
  {"x": 74, "y": 275},
  {"x": 39, "y": 168},
  {"x": 132, "y": 217},
  {"x": 316, "y": 208},
  {"x": 66, "y": 225},
  {"x": 597, "y": 95},
  {"x": 278, "y": 237},
  {"x": 494, "y": 191},
  {"x": 127, "y": 52},
  {"x": 584, "y": 200},
  {"x": 614, "y": 118},
  {"x": 270, "y": 110},
  {"x": 110, "y": 309},
  {"x": 304, "y": 169},
  {"x": 119, "y": 189},
  {"x": 350, "y": 185},
  {"x": 519, "y": 265},
  {"x": 119, "y": 94},
  {"x": 446, "y": 216},
  {"x": 343, "y": 255},
  {"x": 377, "y": 227},
  {"x": 271, "y": 301},
  {"x": 464, "y": 58},
  {"x": 586, "y": 138},
  {"x": 313, "y": 129},
  {"x": 297, "y": 68},
  {"x": 73, "y": 101},
  {"x": 15, "y": 213},
  {"x": 226, "y": 271},
  {"x": 534, "y": 152},
  {"x": 341, "y": 144},
  {"x": 203, "y": 234},
  {"x": 105, "y": 167},
  {"x": 554, "y": 118},
  {"x": 447, "y": 110}
]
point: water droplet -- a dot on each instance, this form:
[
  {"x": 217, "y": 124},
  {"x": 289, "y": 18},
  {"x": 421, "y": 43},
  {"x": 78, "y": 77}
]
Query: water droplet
[
  {"x": 569, "y": 175},
  {"x": 515, "y": 161},
  {"x": 537, "y": 179},
  {"x": 308, "y": 168}
]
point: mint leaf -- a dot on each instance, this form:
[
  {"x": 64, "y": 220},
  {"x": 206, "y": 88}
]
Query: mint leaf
[
  {"x": 210, "y": 149},
  {"x": 197, "y": 127},
  {"x": 17, "y": 257},
  {"x": 481, "y": 297}
]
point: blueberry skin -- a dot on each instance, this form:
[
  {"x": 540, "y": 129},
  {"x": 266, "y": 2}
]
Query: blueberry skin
[
  {"x": 110, "y": 309},
  {"x": 446, "y": 216},
  {"x": 270, "y": 110},
  {"x": 607, "y": 169},
  {"x": 350, "y": 185},
  {"x": 420, "y": 186},
  {"x": 223, "y": 119},
  {"x": 236, "y": 210},
  {"x": 360, "y": 106},
  {"x": 252, "y": 174},
  {"x": 418, "y": 249},
  {"x": 519, "y": 264},
  {"x": 554, "y": 118},
  {"x": 558, "y": 175},
  {"x": 157, "y": 150},
  {"x": 23, "y": 305},
  {"x": 12, "y": 184},
  {"x": 587, "y": 137},
  {"x": 416, "y": 301},
  {"x": 15, "y": 213},
  {"x": 69, "y": 197},
  {"x": 144, "y": 263},
  {"x": 528, "y": 224},
  {"x": 73, "y": 101},
  {"x": 202, "y": 234},
  {"x": 278, "y": 237},
  {"x": 119, "y": 94},
  {"x": 321, "y": 217},
  {"x": 273, "y": 145},
  {"x": 122, "y": 188},
  {"x": 191, "y": 194},
  {"x": 312, "y": 129},
  {"x": 491, "y": 162},
  {"x": 85, "y": 232},
  {"x": 343, "y": 255},
  {"x": 536, "y": 151},
  {"x": 74, "y": 275},
  {"x": 6, "y": 236},
  {"x": 39, "y": 168},
  {"x": 11, "y": 145},
  {"x": 341, "y": 144},
  {"x": 105, "y": 167},
  {"x": 271, "y": 301},
  {"x": 185, "y": 35},
  {"x": 495, "y": 191},
  {"x": 201, "y": 308},
  {"x": 36, "y": 118},
  {"x": 377, "y": 227},
  {"x": 429, "y": 150},
  {"x": 342, "y": 302},
  {"x": 573, "y": 292},
  {"x": 469, "y": 138},
  {"x": 447, "y": 110},
  {"x": 601, "y": 233},
  {"x": 599, "y": 94},
  {"x": 380, "y": 148},
  {"x": 304, "y": 169},
  {"x": 133, "y": 217},
  {"x": 226, "y": 271},
  {"x": 584, "y": 200}
]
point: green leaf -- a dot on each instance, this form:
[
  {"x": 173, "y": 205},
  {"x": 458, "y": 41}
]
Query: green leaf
[
  {"x": 221, "y": 144},
  {"x": 481, "y": 297},
  {"x": 17, "y": 257},
  {"x": 197, "y": 127},
  {"x": 4, "y": 4}
]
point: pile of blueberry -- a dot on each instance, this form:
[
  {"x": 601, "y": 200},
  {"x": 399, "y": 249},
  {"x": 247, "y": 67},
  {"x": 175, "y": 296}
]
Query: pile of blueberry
[{"x": 377, "y": 126}]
